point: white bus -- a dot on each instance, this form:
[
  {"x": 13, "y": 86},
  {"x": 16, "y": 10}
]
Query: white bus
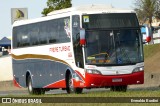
[{"x": 90, "y": 46}]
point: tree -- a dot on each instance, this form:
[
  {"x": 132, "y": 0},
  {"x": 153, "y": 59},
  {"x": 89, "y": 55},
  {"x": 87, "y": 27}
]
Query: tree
[
  {"x": 147, "y": 9},
  {"x": 53, "y": 5},
  {"x": 157, "y": 13}
]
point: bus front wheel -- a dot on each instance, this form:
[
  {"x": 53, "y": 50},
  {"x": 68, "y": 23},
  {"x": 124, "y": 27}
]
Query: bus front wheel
[
  {"x": 33, "y": 91},
  {"x": 70, "y": 86}
]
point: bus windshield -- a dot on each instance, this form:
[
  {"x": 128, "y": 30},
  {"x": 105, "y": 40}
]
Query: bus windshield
[{"x": 113, "y": 47}]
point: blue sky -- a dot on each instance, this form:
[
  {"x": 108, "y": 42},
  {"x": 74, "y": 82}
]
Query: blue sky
[{"x": 35, "y": 8}]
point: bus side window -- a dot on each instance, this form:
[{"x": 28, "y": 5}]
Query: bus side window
[
  {"x": 22, "y": 36},
  {"x": 52, "y": 31},
  {"x": 64, "y": 29},
  {"x": 15, "y": 38},
  {"x": 33, "y": 29},
  {"x": 43, "y": 32}
]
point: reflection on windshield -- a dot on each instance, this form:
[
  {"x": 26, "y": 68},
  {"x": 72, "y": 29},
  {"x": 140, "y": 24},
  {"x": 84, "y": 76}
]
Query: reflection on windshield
[{"x": 113, "y": 47}]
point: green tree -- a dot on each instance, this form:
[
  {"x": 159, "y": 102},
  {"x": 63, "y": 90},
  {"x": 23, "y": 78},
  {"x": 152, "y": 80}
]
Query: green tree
[
  {"x": 157, "y": 13},
  {"x": 147, "y": 9},
  {"x": 53, "y": 5}
]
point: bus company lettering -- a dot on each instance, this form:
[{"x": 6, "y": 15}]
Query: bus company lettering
[{"x": 60, "y": 49}]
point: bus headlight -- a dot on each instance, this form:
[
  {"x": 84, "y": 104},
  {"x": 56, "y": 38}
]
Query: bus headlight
[
  {"x": 138, "y": 69},
  {"x": 92, "y": 71}
]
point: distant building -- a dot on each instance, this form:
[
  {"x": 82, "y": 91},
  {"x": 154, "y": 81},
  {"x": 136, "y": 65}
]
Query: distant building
[
  {"x": 156, "y": 22},
  {"x": 5, "y": 46}
]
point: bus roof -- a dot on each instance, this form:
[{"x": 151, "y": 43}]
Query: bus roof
[
  {"x": 86, "y": 9},
  {"x": 89, "y": 9}
]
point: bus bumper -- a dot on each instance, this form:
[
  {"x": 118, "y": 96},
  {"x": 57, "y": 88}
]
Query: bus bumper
[{"x": 93, "y": 80}]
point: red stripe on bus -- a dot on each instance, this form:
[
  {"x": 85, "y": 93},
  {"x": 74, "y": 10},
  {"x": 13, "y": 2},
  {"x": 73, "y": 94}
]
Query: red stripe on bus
[
  {"x": 81, "y": 76},
  {"x": 58, "y": 84},
  {"x": 78, "y": 84},
  {"x": 16, "y": 83}
]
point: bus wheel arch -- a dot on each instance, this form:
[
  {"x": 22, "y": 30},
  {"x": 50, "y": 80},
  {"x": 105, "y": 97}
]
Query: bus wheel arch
[
  {"x": 70, "y": 83},
  {"x": 31, "y": 89},
  {"x": 27, "y": 75}
]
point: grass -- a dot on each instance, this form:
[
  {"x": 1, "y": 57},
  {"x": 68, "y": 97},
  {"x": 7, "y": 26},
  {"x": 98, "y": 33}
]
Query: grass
[
  {"x": 129, "y": 93},
  {"x": 151, "y": 50},
  {"x": 152, "y": 58}
]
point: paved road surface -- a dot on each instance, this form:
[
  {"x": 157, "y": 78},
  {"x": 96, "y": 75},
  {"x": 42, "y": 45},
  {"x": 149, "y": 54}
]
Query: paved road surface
[
  {"x": 6, "y": 68},
  {"x": 59, "y": 91}
]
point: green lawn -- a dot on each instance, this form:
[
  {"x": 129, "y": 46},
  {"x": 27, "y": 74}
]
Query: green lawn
[
  {"x": 150, "y": 50},
  {"x": 130, "y": 93}
]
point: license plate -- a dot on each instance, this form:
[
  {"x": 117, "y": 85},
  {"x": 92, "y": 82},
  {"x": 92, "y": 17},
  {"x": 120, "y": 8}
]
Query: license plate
[{"x": 117, "y": 80}]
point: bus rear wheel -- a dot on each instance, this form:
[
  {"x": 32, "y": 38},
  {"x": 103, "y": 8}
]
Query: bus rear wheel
[
  {"x": 70, "y": 86},
  {"x": 119, "y": 88},
  {"x": 33, "y": 91}
]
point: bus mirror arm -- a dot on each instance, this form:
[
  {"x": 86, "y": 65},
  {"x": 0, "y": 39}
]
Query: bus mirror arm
[
  {"x": 144, "y": 42},
  {"x": 82, "y": 37},
  {"x": 148, "y": 33}
]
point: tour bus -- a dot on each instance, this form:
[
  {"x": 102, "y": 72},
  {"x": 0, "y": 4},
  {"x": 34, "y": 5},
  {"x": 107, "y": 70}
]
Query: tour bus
[{"x": 94, "y": 46}]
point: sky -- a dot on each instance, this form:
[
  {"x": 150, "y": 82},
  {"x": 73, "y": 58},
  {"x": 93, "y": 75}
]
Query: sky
[{"x": 35, "y": 8}]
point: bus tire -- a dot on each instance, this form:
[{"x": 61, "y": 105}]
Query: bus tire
[
  {"x": 78, "y": 90},
  {"x": 119, "y": 88},
  {"x": 33, "y": 91},
  {"x": 70, "y": 86}
]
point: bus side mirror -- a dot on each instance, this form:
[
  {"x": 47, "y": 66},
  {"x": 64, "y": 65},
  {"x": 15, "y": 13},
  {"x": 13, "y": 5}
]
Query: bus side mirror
[
  {"x": 82, "y": 37},
  {"x": 147, "y": 33}
]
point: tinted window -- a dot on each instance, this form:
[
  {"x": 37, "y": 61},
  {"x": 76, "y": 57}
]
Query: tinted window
[
  {"x": 34, "y": 33},
  {"x": 43, "y": 33},
  {"x": 52, "y": 31},
  {"x": 64, "y": 30},
  {"x": 112, "y": 20},
  {"x": 21, "y": 36},
  {"x": 14, "y": 37}
]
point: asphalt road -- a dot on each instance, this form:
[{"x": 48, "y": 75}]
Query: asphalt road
[{"x": 59, "y": 91}]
